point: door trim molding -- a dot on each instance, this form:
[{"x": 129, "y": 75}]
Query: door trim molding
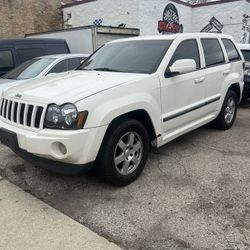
[{"x": 197, "y": 106}]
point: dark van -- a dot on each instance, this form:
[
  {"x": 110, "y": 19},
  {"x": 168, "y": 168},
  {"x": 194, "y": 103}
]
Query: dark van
[{"x": 16, "y": 51}]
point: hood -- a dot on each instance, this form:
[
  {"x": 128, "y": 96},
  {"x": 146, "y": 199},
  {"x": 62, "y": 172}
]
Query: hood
[
  {"x": 69, "y": 86},
  {"x": 6, "y": 83}
]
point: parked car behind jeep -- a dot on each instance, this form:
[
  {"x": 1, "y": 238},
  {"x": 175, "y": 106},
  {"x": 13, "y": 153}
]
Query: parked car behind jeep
[
  {"x": 129, "y": 94},
  {"x": 13, "y": 52},
  {"x": 245, "y": 49},
  {"x": 41, "y": 67}
]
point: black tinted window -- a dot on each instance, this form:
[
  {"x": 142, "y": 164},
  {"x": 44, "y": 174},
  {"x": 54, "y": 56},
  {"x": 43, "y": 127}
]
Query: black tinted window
[
  {"x": 6, "y": 60},
  {"x": 73, "y": 63},
  {"x": 142, "y": 56},
  {"x": 213, "y": 52},
  {"x": 246, "y": 54},
  {"x": 187, "y": 50},
  {"x": 231, "y": 50},
  {"x": 60, "y": 67},
  {"x": 27, "y": 54}
]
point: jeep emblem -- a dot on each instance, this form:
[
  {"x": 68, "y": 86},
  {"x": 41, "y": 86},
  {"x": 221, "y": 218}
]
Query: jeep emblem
[{"x": 18, "y": 95}]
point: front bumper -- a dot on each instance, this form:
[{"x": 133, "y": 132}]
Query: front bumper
[{"x": 57, "y": 149}]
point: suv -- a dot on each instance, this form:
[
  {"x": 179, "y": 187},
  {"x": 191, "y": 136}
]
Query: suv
[
  {"x": 13, "y": 52},
  {"x": 128, "y": 94},
  {"x": 245, "y": 50}
]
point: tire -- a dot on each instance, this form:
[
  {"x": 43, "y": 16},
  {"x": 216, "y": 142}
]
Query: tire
[
  {"x": 127, "y": 141},
  {"x": 226, "y": 118}
]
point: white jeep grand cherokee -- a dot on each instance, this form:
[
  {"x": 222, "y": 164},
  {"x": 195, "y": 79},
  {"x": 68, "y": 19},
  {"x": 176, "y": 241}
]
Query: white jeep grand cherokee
[{"x": 128, "y": 94}]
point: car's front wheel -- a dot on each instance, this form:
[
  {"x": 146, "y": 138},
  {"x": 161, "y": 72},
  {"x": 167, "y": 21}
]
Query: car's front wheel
[{"x": 123, "y": 153}]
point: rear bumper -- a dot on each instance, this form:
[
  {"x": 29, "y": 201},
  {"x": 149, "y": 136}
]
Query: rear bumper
[{"x": 246, "y": 90}]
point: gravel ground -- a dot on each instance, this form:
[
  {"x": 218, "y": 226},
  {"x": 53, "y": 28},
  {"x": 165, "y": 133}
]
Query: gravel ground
[{"x": 193, "y": 194}]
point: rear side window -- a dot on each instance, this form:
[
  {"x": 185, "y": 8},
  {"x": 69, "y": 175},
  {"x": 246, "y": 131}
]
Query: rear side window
[
  {"x": 213, "y": 52},
  {"x": 246, "y": 54},
  {"x": 232, "y": 52},
  {"x": 60, "y": 67},
  {"x": 29, "y": 53},
  {"x": 187, "y": 50},
  {"x": 6, "y": 60}
]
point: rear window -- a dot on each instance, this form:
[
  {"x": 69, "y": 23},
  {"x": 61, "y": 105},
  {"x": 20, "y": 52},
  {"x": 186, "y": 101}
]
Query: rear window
[
  {"x": 246, "y": 54},
  {"x": 213, "y": 52},
  {"x": 232, "y": 52},
  {"x": 6, "y": 60},
  {"x": 27, "y": 54}
]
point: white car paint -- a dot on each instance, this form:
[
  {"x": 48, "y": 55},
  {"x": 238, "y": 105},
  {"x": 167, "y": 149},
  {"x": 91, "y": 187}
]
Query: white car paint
[
  {"x": 6, "y": 83},
  {"x": 107, "y": 95}
]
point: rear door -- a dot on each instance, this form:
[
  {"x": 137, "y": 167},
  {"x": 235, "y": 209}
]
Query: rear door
[{"x": 216, "y": 71}]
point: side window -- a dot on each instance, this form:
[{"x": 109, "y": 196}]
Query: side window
[
  {"x": 6, "y": 60},
  {"x": 60, "y": 67},
  {"x": 187, "y": 50},
  {"x": 29, "y": 53},
  {"x": 73, "y": 63},
  {"x": 232, "y": 52},
  {"x": 213, "y": 52}
]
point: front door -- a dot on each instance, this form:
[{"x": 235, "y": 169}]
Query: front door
[{"x": 182, "y": 95}]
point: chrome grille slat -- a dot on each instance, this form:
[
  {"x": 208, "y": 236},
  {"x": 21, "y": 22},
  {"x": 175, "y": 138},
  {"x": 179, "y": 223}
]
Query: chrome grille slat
[
  {"x": 4, "y": 107},
  {"x": 22, "y": 114},
  {"x": 18, "y": 113},
  {"x": 25, "y": 115},
  {"x": 12, "y": 112}
]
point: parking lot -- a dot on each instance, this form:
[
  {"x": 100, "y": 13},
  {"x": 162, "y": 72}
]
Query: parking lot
[{"x": 193, "y": 194}]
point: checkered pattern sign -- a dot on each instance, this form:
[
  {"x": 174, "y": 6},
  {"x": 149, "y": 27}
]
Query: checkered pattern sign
[{"x": 97, "y": 22}]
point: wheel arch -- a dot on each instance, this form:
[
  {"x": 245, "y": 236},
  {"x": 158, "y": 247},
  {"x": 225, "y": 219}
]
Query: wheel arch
[
  {"x": 140, "y": 115},
  {"x": 236, "y": 88}
]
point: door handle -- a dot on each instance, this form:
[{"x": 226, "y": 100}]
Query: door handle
[
  {"x": 226, "y": 72},
  {"x": 199, "y": 80}
]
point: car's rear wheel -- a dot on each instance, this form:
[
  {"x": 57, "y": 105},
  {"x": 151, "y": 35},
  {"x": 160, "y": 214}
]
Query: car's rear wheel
[
  {"x": 123, "y": 153},
  {"x": 226, "y": 118}
]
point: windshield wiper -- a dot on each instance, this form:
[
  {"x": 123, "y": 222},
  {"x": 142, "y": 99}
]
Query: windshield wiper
[{"x": 106, "y": 69}]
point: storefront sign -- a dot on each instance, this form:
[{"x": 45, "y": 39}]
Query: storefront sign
[
  {"x": 213, "y": 23},
  {"x": 170, "y": 21}
]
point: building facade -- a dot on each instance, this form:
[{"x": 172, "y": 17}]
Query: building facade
[
  {"x": 163, "y": 16},
  {"x": 19, "y": 17}
]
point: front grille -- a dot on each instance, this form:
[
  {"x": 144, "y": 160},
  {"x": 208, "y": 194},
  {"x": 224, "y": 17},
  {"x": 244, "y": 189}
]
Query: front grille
[{"x": 22, "y": 114}]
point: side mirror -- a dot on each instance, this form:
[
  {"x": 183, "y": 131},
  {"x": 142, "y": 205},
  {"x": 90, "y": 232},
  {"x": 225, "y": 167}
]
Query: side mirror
[{"x": 182, "y": 66}]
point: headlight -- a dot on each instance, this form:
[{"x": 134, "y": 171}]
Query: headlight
[{"x": 64, "y": 117}]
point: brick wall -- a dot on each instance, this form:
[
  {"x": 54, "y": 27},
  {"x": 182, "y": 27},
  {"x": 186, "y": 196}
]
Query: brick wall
[{"x": 18, "y": 17}]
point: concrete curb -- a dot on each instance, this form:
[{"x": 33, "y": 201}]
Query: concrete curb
[{"x": 28, "y": 223}]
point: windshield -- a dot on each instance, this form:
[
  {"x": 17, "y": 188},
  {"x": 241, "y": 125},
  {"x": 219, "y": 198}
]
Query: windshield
[
  {"x": 246, "y": 54},
  {"x": 143, "y": 56},
  {"x": 29, "y": 69}
]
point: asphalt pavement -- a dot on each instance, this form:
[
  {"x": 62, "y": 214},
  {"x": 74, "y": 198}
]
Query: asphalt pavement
[{"x": 193, "y": 194}]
